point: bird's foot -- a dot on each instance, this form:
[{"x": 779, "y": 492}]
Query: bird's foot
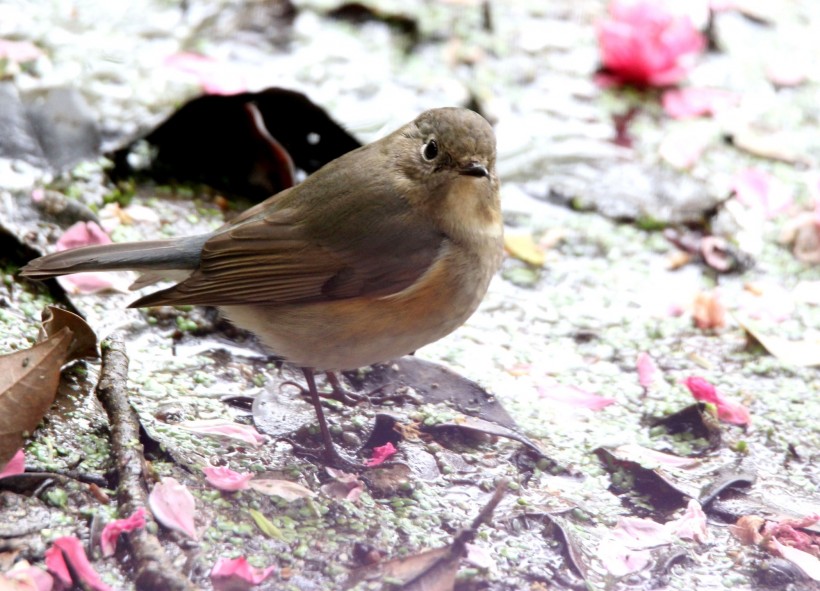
[{"x": 330, "y": 456}]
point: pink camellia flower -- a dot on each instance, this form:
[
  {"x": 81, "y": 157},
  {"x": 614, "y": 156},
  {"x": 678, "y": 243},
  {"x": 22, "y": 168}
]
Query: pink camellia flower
[{"x": 645, "y": 44}]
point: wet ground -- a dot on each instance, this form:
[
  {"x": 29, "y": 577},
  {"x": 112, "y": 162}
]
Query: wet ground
[{"x": 605, "y": 284}]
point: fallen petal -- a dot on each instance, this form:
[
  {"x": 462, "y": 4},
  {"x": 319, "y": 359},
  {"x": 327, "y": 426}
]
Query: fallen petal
[
  {"x": 226, "y": 479},
  {"x": 24, "y": 577},
  {"x": 682, "y": 148},
  {"x": 70, "y": 549},
  {"x": 638, "y": 533},
  {"x": 173, "y": 506},
  {"x": 343, "y": 486},
  {"x": 684, "y": 103},
  {"x": 224, "y": 428},
  {"x": 647, "y": 370},
  {"x": 806, "y": 562},
  {"x": 729, "y": 411},
  {"x": 235, "y": 574},
  {"x": 288, "y": 490},
  {"x": 16, "y": 465},
  {"x": 574, "y": 397},
  {"x": 111, "y": 532},
  {"x": 82, "y": 234},
  {"x": 691, "y": 525},
  {"x": 19, "y": 51},
  {"x": 215, "y": 77},
  {"x": 380, "y": 454}
]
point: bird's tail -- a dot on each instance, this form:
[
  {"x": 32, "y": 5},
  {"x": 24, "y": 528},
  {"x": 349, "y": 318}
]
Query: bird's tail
[{"x": 152, "y": 255}]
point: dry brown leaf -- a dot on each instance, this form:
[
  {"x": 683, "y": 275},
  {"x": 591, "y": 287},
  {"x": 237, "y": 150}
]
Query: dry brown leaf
[
  {"x": 708, "y": 312},
  {"x": 432, "y": 570},
  {"x": 29, "y": 378},
  {"x": 804, "y": 353},
  {"x": 28, "y": 384},
  {"x": 84, "y": 343}
]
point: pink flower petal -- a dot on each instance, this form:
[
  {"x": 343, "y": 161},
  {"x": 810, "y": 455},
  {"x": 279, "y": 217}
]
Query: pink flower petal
[
  {"x": 111, "y": 532},
  {"x": 24, "y": 577},
  {"x": 691, "y": 525},
  {"x": 286, "y": 489},
  {"x": 88, "y": 234},
  {"x": 647, "y": 370},
  {"x": 380, "y": 454},
  {"x": 682, "y": 148},
  {"x": 215, "y": 77},
  {"x": 235, "y": 574},
  {"x": 173, "y": 506},
  {"x": 644, "y": 43},
  {"x": 626, "y": 549},
  {"x": 728, "y": 410},
  {"x": 226, "y": 479},
  {"x": 787, "y": 532},
  {"x": 806, "y": 562},
  {"x": 756, "y": 189},
  {"x": 684, "y": 103},
  {"x": 574, "y": 397},
  {"x": 82, "y": 234},
  {"x": 620, "y": 561},
  {"x": 224, "y": 428},
  {"x": 71, "y": 549},
  {"x": 19, "y": 51},
  {"x": 638, "y": 533},
  {"x": 343, "y": 486},
  {"x": 786, "y": 71},
  {"x": 16, "y": 465}
]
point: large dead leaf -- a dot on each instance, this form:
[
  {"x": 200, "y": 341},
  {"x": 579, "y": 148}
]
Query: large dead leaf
[
  {"x": 29, "y": 378},
  {"x": 803, "y": 353},
  {"x": 240, "y": 143},
  {"x": 432, "y": 570}
]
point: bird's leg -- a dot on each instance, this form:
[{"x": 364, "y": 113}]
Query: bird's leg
[{"x": 332, "y": 455}]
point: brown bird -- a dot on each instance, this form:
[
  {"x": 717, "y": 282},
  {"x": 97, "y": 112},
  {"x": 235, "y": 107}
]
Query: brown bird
[{"x": 382, "y": 251}]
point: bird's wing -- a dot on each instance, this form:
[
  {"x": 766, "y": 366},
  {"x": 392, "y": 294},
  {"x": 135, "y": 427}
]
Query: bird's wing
[{"x": 374, "y": 248}]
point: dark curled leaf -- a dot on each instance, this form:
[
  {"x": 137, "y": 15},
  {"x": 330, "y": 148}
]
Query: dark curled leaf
[
  {"x": 666, "y": 489},
  {"x": 245, "y": 144},
  {"x": 725, "y": 481},
  {"x": 693, "y": 420},
  {"x": 434, "y": 383}
]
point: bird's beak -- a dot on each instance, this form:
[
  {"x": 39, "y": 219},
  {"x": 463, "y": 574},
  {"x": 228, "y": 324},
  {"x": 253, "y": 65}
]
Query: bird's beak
[{"x": 474, "y": 169}]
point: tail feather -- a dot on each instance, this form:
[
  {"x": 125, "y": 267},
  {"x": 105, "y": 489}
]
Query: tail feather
[{"x": 176, "y": 253}]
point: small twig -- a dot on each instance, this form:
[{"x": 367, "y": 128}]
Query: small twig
[{"x": 153, "y": 569}]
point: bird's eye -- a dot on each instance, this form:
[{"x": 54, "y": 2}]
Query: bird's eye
[{"x": 430, "y": 150}]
